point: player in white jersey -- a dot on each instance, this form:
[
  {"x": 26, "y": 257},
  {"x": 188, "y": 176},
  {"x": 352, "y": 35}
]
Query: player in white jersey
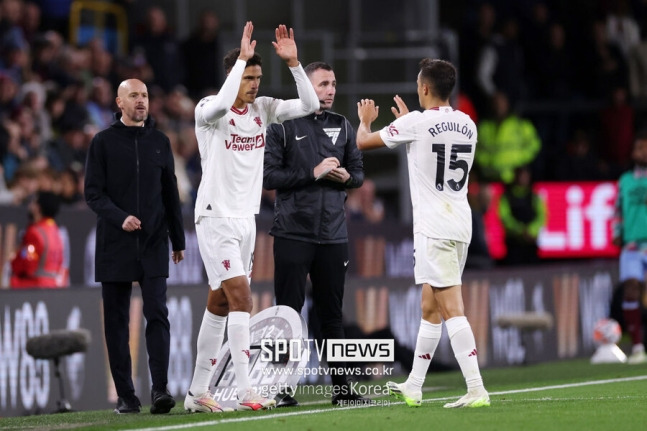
[
  {"x": 230, "y": 128},
  {"x": 440, "y": 151}
]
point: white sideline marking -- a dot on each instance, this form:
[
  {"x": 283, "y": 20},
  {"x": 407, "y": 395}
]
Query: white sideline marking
[{"x": 310, "y": 412}]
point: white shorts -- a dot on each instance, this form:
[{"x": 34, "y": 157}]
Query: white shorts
[
  {"x": 438, "y": 262},
  {"x": 226, "y": 246}
]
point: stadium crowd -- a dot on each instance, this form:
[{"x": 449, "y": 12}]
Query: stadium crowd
[{"x": 55, "y": 96}]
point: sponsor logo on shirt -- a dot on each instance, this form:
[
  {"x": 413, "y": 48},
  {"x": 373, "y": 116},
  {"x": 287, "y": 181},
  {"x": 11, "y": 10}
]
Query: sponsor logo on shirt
[
  {"x": 392, "y": 130},
  {"x": 245, "y": 143}
]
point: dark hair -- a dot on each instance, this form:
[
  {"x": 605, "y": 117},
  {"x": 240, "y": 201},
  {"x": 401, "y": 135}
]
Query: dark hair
[
  {"x": 230, "y": 60},
  {"x": 313, "y": 67},
  {"x": 49, "y": 203},
  {"x": 440, "y": 75}
]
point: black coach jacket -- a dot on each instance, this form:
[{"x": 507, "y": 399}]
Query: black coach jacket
[
  {"x": 305, "y": 209},
  {"x": 130, "y": 171}
]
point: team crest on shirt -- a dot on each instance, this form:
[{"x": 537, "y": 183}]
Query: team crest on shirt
[
  {"x": 333, "y": 133},
  {"x": 226, "y": 264},
  {"x": 258, "y": 121},
  {"x": 392, "y": 130}
]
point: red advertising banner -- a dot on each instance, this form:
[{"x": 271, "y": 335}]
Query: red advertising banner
[{"x": 579, "y": 220}]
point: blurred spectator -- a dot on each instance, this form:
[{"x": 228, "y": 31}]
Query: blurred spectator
[
  {"x": 70, "y": 188},
  {"x": 535, "y": 36},
  {"x": 179, "y": 108},
  {"x": 11, "y": 34},
  {"x": 579, "y": 163},
  {"x": 33, "y": 97},
  {"x": 628, "y": 310},
  {"x": 501, "y": 63},
  {"x": 476, "y": 37},
  {"x": 71, "y": 147},
  {"x": 552, "y": 74},
  {"x": 523, "y": 214},
  {"x": 617, "y": 131},
  {"x": 30, "y": 21},
  {"x": 100, "y": 106},
  {"x": 479, "y": 198},
  {"x": 13, "y": 153},
  {"x": 506, "y": 141},
  {"x": 202, "y": 53},
  {"x": 39, "y": 261},
  {"x": 622, "y": 28},
  {"x": 185, "y": 189},
  {"x": 604, "y": 65},
  {"x": 161, "y": 50},
  {"x": 638, "y": 68},
  {"x": 363, "y": 204}
]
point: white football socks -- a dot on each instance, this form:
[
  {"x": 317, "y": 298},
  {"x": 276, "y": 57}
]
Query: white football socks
[
  {"x": 238, "y": 336},
  {"x": 428, "y": 338},
  {"x": 212, "y": 332},
  {"x": 464, "y": 347}
]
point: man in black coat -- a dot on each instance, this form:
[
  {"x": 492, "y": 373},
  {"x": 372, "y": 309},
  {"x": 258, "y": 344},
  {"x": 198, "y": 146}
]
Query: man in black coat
[
  {"x": 311, "y": 161},
  {"x": 130, "y": 184}
]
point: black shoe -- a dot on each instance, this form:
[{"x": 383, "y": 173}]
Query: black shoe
[
  {"x": 349, "y": 399},
  {"x": 127, "y": 405},
  {"x": 162, "y": 401},
  {"x": 287, "y": 401}
]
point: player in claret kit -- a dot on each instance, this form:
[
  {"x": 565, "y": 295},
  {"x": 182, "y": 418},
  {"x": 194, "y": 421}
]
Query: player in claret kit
[
  {"x": 230, "y": 128},
  {"x": 440, "y": 150}
]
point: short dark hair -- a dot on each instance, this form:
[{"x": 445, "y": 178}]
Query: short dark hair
[
  {"x": 49, "y": 203},
  {"x": 440, "y": 74},
  {"x": 313, "y": 67},
  {"x": 230, "y": 60}
]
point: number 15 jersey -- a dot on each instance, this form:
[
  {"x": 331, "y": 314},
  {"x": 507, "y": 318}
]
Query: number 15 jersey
[{"x": 440, "y": 152}]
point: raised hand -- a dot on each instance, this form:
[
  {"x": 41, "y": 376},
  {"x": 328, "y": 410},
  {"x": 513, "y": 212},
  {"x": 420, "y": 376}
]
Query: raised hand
[
  {"x": 247, "y": 45},
  {"x": 401, "y": 108},
  {"x": 367, "y": 111},
  {"x": 285, "y": 46}
]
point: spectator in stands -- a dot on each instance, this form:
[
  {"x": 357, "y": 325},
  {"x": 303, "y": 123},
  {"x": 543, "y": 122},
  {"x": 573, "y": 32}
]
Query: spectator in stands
[
  {"x": 479, "y": 197},
  {"x": 605, "y": 65},
  {"x": 161, "y": 50},
  {"x": 476, "y": 37},
  {"x": 628, "y": 309},
  {"x": 617, "y": 131},
  {"x": 506, "y": 141},
  {"x": 39, "y": 261},
  {"x": 362, "y": 203},
  {"x": 70, "y": 187},
  {"x": 630, "y": 229},
  {"x": 637, "y": 62},
  {"x": 501, "y": 63},
  {"x": 523, "y": 214},
  {"x": 202, "y": 53},
  {"x": 100, "y": 106},
  {"x": 622, "y": 29},
  {"x": 553, "y": 73},
  {"x": 579, "y": 162}
]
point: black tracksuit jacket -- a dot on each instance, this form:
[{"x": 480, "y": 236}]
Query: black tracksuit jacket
[{"x": 305, "y": 209}]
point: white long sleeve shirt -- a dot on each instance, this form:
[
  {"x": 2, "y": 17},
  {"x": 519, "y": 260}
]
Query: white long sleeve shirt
[
  {"x": 232, "y": 143},
  {"x": 440, "y": 153}
]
